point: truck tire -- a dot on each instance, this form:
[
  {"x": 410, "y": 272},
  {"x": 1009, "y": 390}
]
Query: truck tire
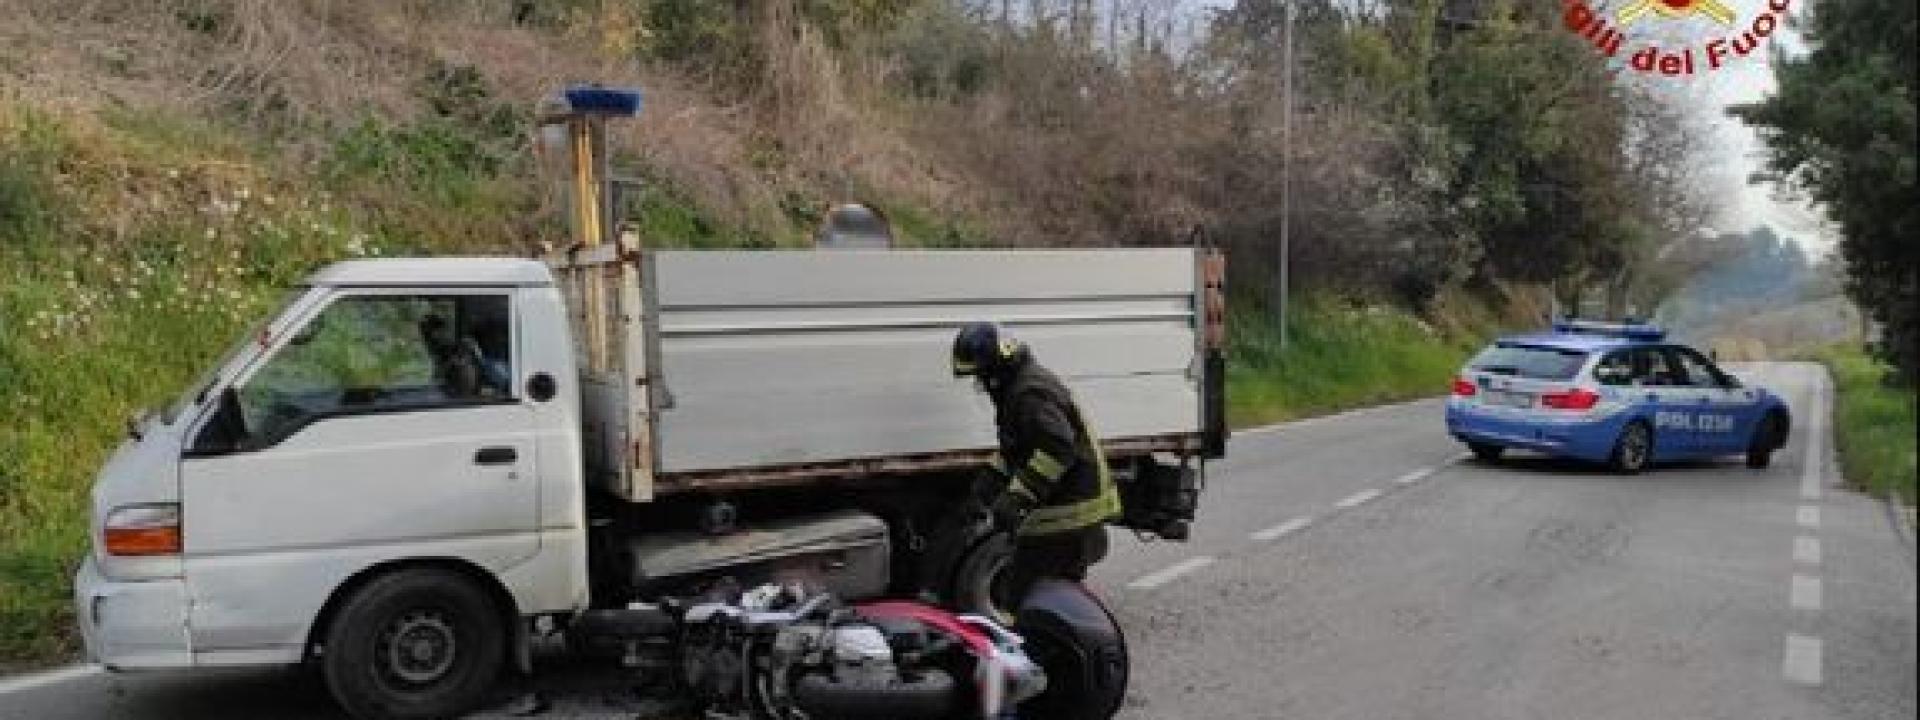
[
  {"x": 415, "y": 645},
  {"x": 975, "y": 586},
  {"x": 1633, "y": 450}
]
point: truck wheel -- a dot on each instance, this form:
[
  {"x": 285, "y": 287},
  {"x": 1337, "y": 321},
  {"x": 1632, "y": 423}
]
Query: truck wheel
[
  {"x": 1766, "y": 437},
  {"x": 1487, "y": 452},
  {"x": 414, "y": 645},
  {"x": 976, "y": 580},
  {"x": 1633, "y": 450}
]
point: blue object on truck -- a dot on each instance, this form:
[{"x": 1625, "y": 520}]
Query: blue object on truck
[{"x": 596, "y": 100}]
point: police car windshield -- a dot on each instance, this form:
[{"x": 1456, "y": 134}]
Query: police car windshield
[{"x": 1529, "y": 361}]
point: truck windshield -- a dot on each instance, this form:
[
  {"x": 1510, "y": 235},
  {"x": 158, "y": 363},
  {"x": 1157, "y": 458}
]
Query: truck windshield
[
  {"x": 196, "y": 392},
  {"x": 1529, "y": 361}
]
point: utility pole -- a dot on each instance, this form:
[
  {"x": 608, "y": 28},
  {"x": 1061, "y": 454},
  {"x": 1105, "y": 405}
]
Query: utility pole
[{"x": 1286, "y": 173}]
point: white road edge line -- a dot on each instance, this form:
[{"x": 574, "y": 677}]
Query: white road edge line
[
  {"x": 1801, "y": 663},
  {"x": 1168, "y": 574},
  {"x": 1808, "y": 516},
  {"x": 1285, "y": 528},
  {"x": 50, "y": 677},
  {"x": 1805, "y": 593},
  {"x": 1806, "y": 550},
  {"x": 1357, "y": 499},
  {"x": 1815, "y": 463}
]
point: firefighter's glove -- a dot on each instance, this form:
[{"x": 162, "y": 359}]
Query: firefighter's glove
[
  {"x": 1009, "y": 510},
  {"x": 988, "y": 485}
]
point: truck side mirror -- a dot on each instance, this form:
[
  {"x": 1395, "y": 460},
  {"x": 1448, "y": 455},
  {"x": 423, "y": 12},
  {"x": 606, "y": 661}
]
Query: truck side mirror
[{"x": 226, "y": 431}]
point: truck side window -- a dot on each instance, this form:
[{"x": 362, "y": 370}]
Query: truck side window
[{"x": 381, "y": 353}]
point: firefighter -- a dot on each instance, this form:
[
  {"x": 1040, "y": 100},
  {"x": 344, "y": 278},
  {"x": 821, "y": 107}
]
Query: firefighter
[{"x": 1050, "y": 486}]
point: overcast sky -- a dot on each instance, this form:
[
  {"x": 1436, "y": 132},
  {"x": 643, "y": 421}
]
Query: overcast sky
[{"x": 1746, "y": 80}]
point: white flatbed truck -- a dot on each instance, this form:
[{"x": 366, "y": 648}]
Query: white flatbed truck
[{"x": 415, "y": 465}]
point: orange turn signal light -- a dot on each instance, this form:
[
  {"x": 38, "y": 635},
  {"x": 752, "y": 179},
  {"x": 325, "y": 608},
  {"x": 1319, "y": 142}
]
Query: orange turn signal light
[{"x": 142, "y": 530}]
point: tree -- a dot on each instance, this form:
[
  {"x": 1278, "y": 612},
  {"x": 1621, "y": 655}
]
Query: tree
[{"x": 1841, "y": 130}]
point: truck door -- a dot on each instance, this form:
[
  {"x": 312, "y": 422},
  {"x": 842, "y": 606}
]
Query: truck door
[{"x": 385, "y": 427}]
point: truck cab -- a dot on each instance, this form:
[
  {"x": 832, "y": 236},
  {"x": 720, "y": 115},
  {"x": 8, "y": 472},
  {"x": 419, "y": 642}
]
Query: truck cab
[{"x": 395, "y": 411}]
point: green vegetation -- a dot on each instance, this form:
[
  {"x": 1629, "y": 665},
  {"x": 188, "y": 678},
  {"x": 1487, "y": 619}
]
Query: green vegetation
[
  {"x": 133, "y": 260},
  {"x": 1840, "y": 130},
  {"x": 1873, "y": 423},
  {"x": 163, "y": 179},
  {"x": 1339, "y": 356}
]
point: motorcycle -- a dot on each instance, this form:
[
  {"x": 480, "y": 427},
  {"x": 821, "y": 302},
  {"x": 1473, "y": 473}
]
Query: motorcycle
[{"x": 789, "y": 651}]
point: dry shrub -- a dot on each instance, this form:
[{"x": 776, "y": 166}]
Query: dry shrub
[{"x": 294, "y": 71}]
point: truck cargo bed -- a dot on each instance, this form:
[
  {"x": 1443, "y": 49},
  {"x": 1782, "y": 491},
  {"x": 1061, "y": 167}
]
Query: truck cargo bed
[{"x": 746, "y": 367}]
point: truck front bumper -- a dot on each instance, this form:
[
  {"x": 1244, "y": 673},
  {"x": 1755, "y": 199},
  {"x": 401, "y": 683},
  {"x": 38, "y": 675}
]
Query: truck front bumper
[{"x": 132, "y": 625}]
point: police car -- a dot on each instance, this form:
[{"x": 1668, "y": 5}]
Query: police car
[{"x": 1615, "y": 393}]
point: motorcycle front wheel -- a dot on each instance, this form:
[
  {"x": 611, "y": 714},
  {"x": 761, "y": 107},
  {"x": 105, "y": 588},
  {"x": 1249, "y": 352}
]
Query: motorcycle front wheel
[{"x": 1078, "y": 643}]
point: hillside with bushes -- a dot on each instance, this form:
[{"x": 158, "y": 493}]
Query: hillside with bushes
[{"x": 168, "y": 167}]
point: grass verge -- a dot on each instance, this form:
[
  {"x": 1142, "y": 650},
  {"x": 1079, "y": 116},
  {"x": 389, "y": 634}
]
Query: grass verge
[
  {"x": 131, "y": 252},
  {"x": 1338, "y": 356},
  {"x": 1873, "y": 423},
  {"x": 133, "y": 248}
]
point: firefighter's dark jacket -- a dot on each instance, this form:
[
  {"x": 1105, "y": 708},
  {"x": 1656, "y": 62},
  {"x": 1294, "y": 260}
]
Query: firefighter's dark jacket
[{"x": 1050, "y": 455}]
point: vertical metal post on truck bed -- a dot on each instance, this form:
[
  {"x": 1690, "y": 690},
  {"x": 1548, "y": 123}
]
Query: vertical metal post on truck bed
[{"x": 600, "y": 275}]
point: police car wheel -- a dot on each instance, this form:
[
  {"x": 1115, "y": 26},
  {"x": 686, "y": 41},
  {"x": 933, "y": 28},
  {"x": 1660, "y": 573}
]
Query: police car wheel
[
  {"x": 1633, "y": 449},
  {"x": 1487, "y": 452},
  {"x": 1760, "y": 448}
]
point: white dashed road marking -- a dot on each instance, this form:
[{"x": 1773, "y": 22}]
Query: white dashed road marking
[
  {"x": 1805, "y": 594},
  {"x": 1808, "y": 517},
  {"x": 1285, "y": 528},
  {"x": 50, "y": 677},
  {"x": 1806, "y": 550},
  {"x": 1357, "y": 499},
  {"x": 1415, "y": 476},
  {"x": 1802, "y": 661},
  {"x": 1168, "y": 574}
]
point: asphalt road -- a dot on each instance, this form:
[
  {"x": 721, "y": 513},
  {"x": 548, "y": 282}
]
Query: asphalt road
[{"x": 1358, "y": 567}]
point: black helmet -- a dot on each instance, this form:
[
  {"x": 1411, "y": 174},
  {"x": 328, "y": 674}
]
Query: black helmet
[{"x": 982, "y": 350}]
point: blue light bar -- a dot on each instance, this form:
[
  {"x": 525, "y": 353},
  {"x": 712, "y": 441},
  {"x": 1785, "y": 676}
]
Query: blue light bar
[
  {"x": 1629, "y": 330},
  {"x": 595, "y": 100}
]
